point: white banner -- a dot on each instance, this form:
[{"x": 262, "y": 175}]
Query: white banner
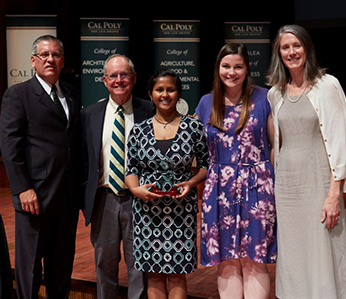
[{"x": 21, "y": 32}]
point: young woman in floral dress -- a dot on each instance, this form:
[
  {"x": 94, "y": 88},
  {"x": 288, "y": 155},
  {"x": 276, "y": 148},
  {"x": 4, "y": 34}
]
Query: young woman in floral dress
[{"x": 238, "y": 230}]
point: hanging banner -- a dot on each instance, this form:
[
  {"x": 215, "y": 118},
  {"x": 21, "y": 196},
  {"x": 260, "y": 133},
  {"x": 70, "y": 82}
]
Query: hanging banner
[
  {"x": 256, "y": 37},
  {"x": 100, "y": 38},
  {"x": 21, "y": 32},
  {"x": 176, "y": 46}
]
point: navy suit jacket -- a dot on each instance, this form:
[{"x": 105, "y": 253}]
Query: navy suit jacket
[
  {"x": 92, "y": 121},
  {"x": 37, "y": 148}
]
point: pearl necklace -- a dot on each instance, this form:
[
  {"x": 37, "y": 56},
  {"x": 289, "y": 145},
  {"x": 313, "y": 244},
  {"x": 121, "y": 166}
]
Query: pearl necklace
[
  {"x": 166, "y": 123},
  {"x": 297, "y": 99}
]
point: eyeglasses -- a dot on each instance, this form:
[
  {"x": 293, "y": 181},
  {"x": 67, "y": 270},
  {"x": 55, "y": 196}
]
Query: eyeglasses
[
  {"x": 122, "y": 76},
  {"x": 45, "y": 55}
]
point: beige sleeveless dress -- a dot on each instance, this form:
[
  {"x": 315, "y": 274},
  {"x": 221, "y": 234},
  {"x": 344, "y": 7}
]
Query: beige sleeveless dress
[{"x": 311, "y": 260}]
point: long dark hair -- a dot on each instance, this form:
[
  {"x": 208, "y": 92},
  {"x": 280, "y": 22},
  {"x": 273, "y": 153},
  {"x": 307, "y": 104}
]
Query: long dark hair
[{"x": 218, "y": 108}]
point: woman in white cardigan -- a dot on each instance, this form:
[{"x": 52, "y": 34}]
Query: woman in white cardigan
[{"x": 309, "y": 113}]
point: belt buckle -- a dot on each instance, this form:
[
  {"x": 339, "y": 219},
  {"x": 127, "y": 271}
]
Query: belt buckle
[{"x": 122, "y": 192}]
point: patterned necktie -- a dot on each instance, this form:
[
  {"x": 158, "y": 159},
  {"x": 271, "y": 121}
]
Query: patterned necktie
[
  {"x": 58, "y": 103},
  {"x": 117, "y": 156}
]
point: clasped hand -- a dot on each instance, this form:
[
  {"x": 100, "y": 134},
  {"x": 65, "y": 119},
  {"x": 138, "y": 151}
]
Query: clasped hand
[{"x": 143, "y": 192}]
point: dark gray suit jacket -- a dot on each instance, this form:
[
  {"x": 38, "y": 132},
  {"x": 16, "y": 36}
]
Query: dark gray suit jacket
[
  {"x": 37, "y": 148},
  {"x": 92, "y": 121}
]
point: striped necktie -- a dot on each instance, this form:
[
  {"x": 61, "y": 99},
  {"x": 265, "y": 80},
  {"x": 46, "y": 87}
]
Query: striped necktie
[{"x": 117, "y": 156}]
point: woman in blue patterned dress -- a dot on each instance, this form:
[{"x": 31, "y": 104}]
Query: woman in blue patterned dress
[
  {"x": 238, "y": 227},
  {"x": 160, "y": 155}
]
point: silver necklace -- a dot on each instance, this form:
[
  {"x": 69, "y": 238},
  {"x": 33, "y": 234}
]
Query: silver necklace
[
  {"x": 166, "y": 123},
  {"x": 297, "y": 99}
]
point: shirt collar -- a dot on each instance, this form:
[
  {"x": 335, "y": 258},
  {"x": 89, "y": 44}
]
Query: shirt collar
[
  {"x": 47, "y": 86},
  {"x": 127, "y": 106}
]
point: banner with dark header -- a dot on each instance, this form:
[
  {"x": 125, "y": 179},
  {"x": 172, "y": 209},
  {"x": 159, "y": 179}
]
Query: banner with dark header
[
  {"x": 21, "y": 32},
  {"x": 176, "y": 46},
  {"x": 100, "y": 38},
  {"x": 256, "y": 37}
]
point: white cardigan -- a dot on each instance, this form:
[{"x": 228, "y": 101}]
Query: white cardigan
[{"x": 329, "y": 102}]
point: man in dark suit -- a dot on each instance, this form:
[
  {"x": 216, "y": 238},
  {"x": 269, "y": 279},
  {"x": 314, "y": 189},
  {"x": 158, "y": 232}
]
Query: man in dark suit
[
  {"x": 110, "y": 211},
  {"x": 41, "y": 149}
]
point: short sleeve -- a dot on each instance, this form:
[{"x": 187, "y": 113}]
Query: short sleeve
[
  {"x": 204, "y": 108},
  {"x": 132, "y": 167}
]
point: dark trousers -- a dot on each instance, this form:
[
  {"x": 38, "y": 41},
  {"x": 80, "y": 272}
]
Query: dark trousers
[
  {"x": 5, "y": 265},
  {"x": 47, "y": 237},
  {"x": 111, "y": 223}
]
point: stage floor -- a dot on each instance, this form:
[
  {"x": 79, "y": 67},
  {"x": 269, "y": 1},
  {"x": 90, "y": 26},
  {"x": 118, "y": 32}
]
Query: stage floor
[{"x": 201, "y": 283}]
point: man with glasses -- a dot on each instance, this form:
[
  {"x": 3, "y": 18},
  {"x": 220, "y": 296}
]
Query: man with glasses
[
  {"x": 41, "y": 138},
  {"x": 108, "y": 202}
]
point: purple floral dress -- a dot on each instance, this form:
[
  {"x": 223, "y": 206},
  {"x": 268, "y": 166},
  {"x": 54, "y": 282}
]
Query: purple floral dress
[{"x": 238, "y": 208}]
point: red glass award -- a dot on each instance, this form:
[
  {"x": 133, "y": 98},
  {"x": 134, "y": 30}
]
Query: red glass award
[{"x": 173, "y": 192}]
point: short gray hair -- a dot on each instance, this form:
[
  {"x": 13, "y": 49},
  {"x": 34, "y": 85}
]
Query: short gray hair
[
  {"x": 46, "y": 38},
  {"x": 132, "y": 66}
]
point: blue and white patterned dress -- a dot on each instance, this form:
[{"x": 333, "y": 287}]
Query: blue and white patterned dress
[
  {"x": 238, "y": 208},
  {"x": 165, "y": 229}
]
